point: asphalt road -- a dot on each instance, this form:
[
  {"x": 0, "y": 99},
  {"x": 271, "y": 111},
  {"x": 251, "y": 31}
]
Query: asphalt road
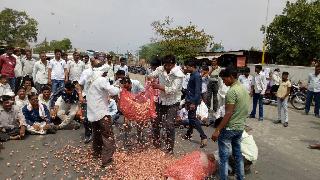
[{"x": 283, "y": 152}]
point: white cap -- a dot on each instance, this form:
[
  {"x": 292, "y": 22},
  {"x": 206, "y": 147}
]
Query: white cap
[{"x": 10, "y": 94}]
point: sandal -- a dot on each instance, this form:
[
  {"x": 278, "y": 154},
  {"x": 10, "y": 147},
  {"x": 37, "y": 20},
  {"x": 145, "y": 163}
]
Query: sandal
[{"x": 314, "y": 146}]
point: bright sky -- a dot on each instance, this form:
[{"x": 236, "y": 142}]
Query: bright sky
[{"x": 121, "y": 25}]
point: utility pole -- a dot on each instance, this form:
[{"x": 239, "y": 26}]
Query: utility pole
[{"x": 265, "y": 36}]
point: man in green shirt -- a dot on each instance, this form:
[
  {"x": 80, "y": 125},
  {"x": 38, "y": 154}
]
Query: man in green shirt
[{"x": 232, "y": 125}]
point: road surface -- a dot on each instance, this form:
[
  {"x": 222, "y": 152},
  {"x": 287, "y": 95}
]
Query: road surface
[{"x": 283, "y": 152}]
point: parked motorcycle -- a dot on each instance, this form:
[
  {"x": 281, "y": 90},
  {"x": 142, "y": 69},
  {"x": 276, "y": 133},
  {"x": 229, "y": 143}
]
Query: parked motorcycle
[
  {"x": 269, "y": 96},
  {"x": 297, "y": 97}
]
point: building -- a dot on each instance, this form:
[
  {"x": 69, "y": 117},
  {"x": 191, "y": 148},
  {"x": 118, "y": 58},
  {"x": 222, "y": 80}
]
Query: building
[{"x": 235, "y": 58}]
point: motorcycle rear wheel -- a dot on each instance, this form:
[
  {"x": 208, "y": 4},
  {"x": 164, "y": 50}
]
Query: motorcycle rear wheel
[
  {"x": 266, "y": 101},
  {"x": 298, "y": 101}
]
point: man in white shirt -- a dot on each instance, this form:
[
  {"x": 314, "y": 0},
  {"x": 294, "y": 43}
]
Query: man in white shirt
[
  {"x": 132, "y": 85},
  {"x": 110, "y": 74},
  {"x": 40, "y": 72},
  {"x": 86, "y": 60},
  {"x": 12, "y": 124},
  {"x": 18, "y": 69},
  {"x": 87, "y": 77},
  {"x": 202, "y": 112},
  {"x": 213, "y": 85},
  {"x": 205, "y": 82},
  {"x": 259, "y": 86},
  {"x": 21, "y": 98},
  {"x": 57, "y": 71},
  {"x": 183, "y": 117},
  {"x": 122, "y": 66},
  {"x": 113, "y": 110},
  {"x": 246, "y": 79},
  {"x": 45, "y": 96},
  {"x": 97, "y": 111},
  {"x": 275, "y": 80},
  {"x": 314, "y": 91},
  {"x": 170, "y": 85},
  {"x": 185, "y": 84},
  {"x": 4, "y": 86},
  {"x": 75, "y": 67},
  {"x": 27, "y": 64}
]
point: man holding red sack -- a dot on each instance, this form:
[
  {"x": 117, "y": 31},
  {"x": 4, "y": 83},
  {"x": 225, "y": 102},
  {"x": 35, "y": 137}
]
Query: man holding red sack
[{"x": 170, "y": 79}]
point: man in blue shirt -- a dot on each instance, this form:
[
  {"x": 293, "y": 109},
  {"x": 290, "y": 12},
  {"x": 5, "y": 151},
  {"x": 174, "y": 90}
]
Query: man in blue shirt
[
  {"x": 193, "y": 99},
  {"x": 37, "y": 116}
]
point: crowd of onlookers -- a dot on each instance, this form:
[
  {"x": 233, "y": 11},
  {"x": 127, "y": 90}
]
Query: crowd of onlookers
[
  {"x": 46, "y": 95},
  {"x": 43, "y": 96}
]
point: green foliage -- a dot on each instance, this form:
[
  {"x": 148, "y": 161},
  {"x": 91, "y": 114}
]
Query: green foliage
[
  {"x": 294, "y": 36},
  {"x": 150, "y": 50},
  {"x": 17, "y": 28},
  {"x": 217, "y": 47},
  {"x": 183, "y": 42},
  {"x": 64, "y": 45},
  {"x": 43, "y": 46},
  {"x": 112, "y": 53}
]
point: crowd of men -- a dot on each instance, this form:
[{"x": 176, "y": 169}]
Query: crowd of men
[{"x": 43, "y": 96}]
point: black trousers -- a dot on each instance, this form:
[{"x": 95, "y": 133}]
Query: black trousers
[
  {"x": 213, "y": 87},
  {"x": 165, "y": 120},
  {"x": 194, "y": 123},
  {"x": 103, "y": 139}
]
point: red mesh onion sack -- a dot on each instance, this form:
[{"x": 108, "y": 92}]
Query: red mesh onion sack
[
  {"x": 138, "y": 107},
  {"x": 194, "y": 166},
  {"x": 156, "y": 92}
]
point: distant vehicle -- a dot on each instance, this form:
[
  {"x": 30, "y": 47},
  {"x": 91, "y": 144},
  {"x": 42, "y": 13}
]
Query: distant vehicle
[
  {"x": 50, "y": 55},
  {"x": 141, "y": 70},
  {"x": 35, "y": 56},
  {"x": 91, "y": 52}
]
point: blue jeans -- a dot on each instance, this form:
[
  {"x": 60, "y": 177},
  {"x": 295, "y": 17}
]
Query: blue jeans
[
  {"x": 194, "y": 123},
  {"x": 56, "y": 85},
  {"x": 12, "y": 83},
  {"x": 226, "y": 138},
  {"x": 310, "y": 96},
  {"x": 257, "y": 97},
  {"x": 116, "y": 119}
]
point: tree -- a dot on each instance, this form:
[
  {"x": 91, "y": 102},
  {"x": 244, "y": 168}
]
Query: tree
[
  {"x": 294, "y": 36},
  {"x": 43, "y": 46},
  {"x": 183, "y": 42},
  {"x": 17, "y": 28},
  {"x": 64, "y": 45},
  {"x": 217, "y": 47},
  {"x": 150, "y": 50},
  {"x": 113, "y": 54}
]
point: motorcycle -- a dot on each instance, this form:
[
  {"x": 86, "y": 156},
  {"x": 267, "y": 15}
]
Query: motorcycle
[{"x": 297, "y": 97}]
